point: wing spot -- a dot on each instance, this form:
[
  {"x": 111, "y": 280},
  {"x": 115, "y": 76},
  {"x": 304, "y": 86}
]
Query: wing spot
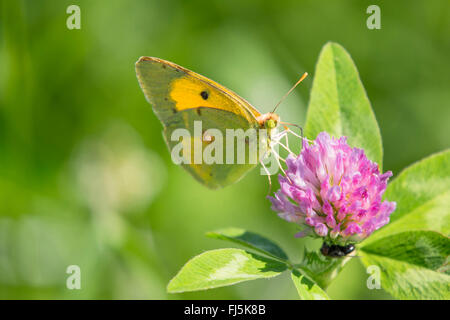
[
  {"x": 206, "y": 138},
  {"x": 204, "y": 95}
]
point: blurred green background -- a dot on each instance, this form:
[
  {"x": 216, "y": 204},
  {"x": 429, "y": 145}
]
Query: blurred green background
[{"x": 86, "y": 179}]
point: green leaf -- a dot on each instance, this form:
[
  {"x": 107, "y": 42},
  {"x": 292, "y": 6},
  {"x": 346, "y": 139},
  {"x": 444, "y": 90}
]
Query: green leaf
[
  {"x": 339, "y": 103},
  {"x": 307, "y": 289},
  {"x": 422, "y": 193},
  {"x": 223, "y": 267},
  {"x": 414, "y": 264},
  {"x": 426, "y": 249},
  {"x": 421, "y": 182},
  {"x": 249, "y": 240}
]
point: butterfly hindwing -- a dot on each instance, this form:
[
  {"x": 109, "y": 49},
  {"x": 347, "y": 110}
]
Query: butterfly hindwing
[{"x": 217, "y": 174}]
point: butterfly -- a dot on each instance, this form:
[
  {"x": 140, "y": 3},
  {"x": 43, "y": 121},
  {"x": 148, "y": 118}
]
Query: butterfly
[{"x": 181, "y": 97}]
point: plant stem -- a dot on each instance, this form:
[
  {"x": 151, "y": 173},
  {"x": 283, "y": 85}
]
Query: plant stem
[{"x": 321, "y": 269}]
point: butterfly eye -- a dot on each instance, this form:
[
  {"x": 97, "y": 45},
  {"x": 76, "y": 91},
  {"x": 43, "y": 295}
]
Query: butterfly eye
[
  {"x": 204, "y": 95},
  {"x": 270, "y": 124}
]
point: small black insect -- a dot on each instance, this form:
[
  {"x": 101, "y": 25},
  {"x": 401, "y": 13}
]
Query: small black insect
[
  {"x": 336, "y": 251},
  {"x": 204, "y": 95}
]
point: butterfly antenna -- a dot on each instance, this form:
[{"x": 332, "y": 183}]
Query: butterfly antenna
[{"x": 295, "y": 85}]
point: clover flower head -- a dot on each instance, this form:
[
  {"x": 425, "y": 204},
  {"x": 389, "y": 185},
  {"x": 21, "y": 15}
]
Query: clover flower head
[{"x": 334, "y": 190}]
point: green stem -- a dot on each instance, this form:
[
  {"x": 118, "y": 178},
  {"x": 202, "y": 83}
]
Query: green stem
[
  {"x": 322, "y": 270},
  {"x": 324, "y": 278}
]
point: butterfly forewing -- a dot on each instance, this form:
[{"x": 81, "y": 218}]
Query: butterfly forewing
[{"x": 182, "y": 99}]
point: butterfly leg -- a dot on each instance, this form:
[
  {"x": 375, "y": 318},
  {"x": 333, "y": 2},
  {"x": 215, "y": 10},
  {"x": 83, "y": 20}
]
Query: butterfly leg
[
  {"x": 286, "y": 137},
  {"x": 268, "y": 176},
  {"x": 277, "y": 141},
  {"x": 277, "y": 159}
]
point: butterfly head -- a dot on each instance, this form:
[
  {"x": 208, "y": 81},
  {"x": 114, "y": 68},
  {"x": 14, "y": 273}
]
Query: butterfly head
[{"x": 268, "y": 121}]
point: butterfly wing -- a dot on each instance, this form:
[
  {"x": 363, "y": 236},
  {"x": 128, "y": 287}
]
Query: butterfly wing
[{"x": 180, "y": 97}]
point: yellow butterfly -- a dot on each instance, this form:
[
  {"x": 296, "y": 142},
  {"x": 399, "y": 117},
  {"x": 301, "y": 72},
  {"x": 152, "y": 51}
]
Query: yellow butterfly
[{"x": 181, "y": 97}]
